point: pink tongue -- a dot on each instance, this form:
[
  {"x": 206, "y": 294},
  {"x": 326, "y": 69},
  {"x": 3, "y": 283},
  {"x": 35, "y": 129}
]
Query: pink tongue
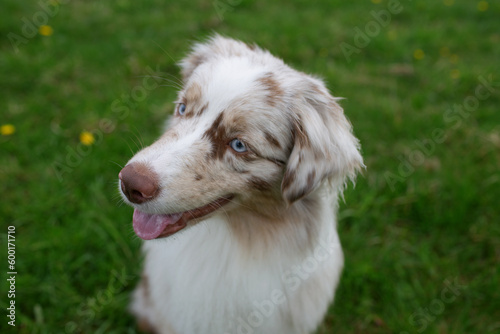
[{"x": 148, "y": 226}]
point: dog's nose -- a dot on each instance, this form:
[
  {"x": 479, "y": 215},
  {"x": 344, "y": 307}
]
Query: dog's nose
[{"x": 138, "y": 182}]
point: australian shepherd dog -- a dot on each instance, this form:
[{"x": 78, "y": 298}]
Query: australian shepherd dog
[{"x": 237, "y": 199}]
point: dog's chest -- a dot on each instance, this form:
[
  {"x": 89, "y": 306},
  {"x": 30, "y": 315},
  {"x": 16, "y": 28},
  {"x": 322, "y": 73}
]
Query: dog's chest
[{"x": 203, "y": 279}]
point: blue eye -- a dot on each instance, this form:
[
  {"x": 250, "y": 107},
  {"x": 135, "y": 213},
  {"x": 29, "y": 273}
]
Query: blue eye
[
  {"x": 181, "y": 109},
  {"x": 238, "y": 145}
]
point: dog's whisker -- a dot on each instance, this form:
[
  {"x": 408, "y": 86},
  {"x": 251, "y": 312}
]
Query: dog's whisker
[
  {"x": 173, "y": 82},
  {"x": 190, "y": 212},
  {"x": 222, "y": 208},
  {"x": 137, "y": 139},
  {"x": 174, "y": 78},
  {"x": 137, "y": 143},
  {"x": 119, "y": 201},
  {"x": 171, "y": 86},
  {"x": 128, "y": 144},
  {"x": 171, "y": 78},
  {"x": 165, "y": 51},
  {"x": 116, "y": 163},
  {"x": 138, "y": 136}
]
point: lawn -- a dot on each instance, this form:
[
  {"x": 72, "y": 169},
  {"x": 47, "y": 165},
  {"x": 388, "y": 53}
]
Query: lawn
[{"x": 421, "y": 81}]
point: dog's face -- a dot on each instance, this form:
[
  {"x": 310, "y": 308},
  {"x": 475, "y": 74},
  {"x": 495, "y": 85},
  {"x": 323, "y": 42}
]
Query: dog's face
[{"x": 248, "y": 131}]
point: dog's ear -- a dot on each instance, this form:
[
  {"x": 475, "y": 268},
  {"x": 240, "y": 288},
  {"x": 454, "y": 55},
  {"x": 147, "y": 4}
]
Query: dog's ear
[
  {"x": 324, "y": 146},
  {"x": 216, "y": 45}
]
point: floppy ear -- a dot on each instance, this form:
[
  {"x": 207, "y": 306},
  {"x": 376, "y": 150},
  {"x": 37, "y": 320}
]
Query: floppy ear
[
  {"x": 214, "y": 47},
  {"x": 324, "y": 146}
]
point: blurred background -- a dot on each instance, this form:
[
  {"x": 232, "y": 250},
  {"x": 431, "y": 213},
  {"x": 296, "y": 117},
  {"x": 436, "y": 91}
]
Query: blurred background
[{"x": 85, "y": 84}]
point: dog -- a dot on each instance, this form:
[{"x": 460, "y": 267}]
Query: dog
[{"x": 237, "y": 199}]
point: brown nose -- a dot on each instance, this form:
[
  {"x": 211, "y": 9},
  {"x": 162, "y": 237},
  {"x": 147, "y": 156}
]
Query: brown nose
[{"x": 138, "y": 182}]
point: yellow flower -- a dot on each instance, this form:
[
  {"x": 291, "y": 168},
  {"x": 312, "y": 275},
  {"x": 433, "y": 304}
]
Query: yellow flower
[
  {"x": 455, "y": 74},
  {"x": 45, "y": 30},
  {"x": 482, "y": 6},
  {"x": 418, "y": 54},
  {"x": 454, "y": 59},
  {"x": 7, "y": 129},
  {"x": 448, "y": 2},
  {"x": 87, "y": 138}
]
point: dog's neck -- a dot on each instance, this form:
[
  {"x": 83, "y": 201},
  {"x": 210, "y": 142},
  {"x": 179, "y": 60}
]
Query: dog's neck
[{"x": 295, "y": 227}]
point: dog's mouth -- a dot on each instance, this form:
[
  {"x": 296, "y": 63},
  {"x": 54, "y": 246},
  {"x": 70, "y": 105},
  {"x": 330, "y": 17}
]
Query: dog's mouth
[{"x": 149, "y": 226}]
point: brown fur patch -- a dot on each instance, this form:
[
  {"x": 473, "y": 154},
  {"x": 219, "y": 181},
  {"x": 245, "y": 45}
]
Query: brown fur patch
[
  {"x": 272, "y": 87},
  {"x": 193, "y": 94},
  {"x": 248, "y": 157},
  {"x": 316, "y": 89},
  {"x": 144, "y": 326},
  {"x": 252, "y": 47},
  {"x": 310, "y": 179},
  {"x": 198, "y": 177},
  {"x": 170, "y": 134},
  {"x": 272, "y": 139},
  {"x": 288, "y": 179},
  {"x": 298, "y": 195},
  {"x": 268, "y": 221},
  {"x": 277, "y": 162},
  {"x": 299, "y": 134},
  {"x": 191, "y": 97},
  {"x": 202, "y": 109},
  {"x": 145, "y": 288},
  {"x": 259, "y": 184},
  {"x": 195, "y": 60},
  {"x": 217, "y": 136}
]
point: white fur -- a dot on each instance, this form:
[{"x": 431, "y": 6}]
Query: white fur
[
  {"x": 269, "y": 261},
  {"x": 202, "y": 282}
]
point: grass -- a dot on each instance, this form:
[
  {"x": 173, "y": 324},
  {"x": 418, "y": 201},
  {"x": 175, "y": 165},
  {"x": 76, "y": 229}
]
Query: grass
[{"x": 414, "y": 221}]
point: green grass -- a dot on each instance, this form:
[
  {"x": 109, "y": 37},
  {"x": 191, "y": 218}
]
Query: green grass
[{"x": 77, "y": 256}]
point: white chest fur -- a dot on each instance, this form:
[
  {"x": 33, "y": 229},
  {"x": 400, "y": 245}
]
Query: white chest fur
[{"x": 203, "y": 281}]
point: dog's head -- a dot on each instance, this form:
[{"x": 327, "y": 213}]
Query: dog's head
[{"x": 247, "y": 131}]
